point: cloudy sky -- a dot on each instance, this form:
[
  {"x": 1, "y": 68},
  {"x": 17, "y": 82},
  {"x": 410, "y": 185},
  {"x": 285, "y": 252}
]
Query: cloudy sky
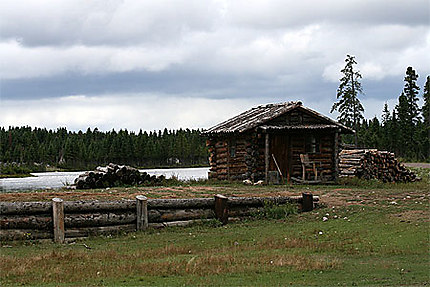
[{"x": 154, "y": 64}]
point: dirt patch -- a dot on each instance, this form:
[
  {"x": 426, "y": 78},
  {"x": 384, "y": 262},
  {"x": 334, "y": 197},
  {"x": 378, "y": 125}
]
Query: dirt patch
[
  {"x": 412, "y": 215},
  {"x": 150, "y": 192},
  {"x": 336, "y": 196}
]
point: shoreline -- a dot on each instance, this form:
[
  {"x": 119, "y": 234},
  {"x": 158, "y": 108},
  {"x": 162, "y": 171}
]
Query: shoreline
[
  {"x": 20, "y": 175},
  {"x": 24, "y": 175}
]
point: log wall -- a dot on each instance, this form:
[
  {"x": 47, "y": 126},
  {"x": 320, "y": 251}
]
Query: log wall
[
  {"x": 231, "y": 157},
  {"x": 34, "y": 220}
]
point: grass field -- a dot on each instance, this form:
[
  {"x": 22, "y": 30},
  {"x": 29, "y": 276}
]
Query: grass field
[{"x": 376, "y": 234}]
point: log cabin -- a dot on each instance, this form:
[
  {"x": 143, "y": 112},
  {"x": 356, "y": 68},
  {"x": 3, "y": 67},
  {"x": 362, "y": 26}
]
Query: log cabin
[{"x": 271, "y": 142}]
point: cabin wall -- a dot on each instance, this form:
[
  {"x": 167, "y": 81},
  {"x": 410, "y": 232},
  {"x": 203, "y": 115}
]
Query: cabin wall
[{"x": 231, "y": 157}]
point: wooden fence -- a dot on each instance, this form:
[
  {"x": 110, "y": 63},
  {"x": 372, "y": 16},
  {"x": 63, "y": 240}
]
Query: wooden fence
[{"x": 60, "y": 219}]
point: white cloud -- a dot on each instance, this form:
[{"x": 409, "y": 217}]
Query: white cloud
[
  {"x": 372, "y": 71},
  {"x": 380, "y": 52},
  {"x": 332, "y": 72},
  {"x": 18, "y": 61},
  {"x": 131, "y": 111},
  {"x": 373, "y": 107}
]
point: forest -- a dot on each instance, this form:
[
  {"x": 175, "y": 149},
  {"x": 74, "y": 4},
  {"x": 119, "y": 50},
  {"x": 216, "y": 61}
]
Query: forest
[
  {"x": 404, "y": 130},
  {"x": 36, "y": 148}
]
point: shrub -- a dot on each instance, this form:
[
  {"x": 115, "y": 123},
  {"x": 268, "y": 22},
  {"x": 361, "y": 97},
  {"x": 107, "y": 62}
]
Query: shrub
[{"x": 276, "y": 211}]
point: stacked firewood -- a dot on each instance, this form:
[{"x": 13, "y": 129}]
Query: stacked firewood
[
  {"x": 373, "y": 164},
  {"x": 115, "y": 175}
]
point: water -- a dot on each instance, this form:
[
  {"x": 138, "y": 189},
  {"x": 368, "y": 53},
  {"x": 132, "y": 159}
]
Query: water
[{"x": 54, "y": 180}]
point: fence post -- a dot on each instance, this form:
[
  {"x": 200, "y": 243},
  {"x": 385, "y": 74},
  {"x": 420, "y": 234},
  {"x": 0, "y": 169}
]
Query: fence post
[
  {"x": 141, "y": 213},
  {"x": 221, "y": 208},
  {"x": 307, "y": 201},
  {"x": 58, "y": 219}
]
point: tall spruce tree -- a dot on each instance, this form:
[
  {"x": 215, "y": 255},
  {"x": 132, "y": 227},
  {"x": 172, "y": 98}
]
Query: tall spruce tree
[
  {"x": 349, "y": 106},
  {"x": 426, "y": 117},
  {"x": 386, "y": 128},
  {"x": 386, "y": 116},
  {"x": 411, "y": 91},
  {"x": 408, "y": 114}
]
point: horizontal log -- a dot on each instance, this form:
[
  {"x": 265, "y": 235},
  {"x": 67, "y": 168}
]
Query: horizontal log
[
  {"x": 39, "y": 221},
  {"x": 181, "y": 203},
  {"x": 354, "y": 165},
  {"x": 220, "y": 144},
  {"x": 238, "y": 170},
  {"x": 91, "y": 231},
  {"x": 99, "y": 219},
  {"x": 347, "y": 172},
  {"x": 24, "y": 234},
  {"x": 354, "y": 160},
  {"x": 260, "y": 201},
  {"x": 326, "y": 150},
  {"x": 28, "y": 208},
  {"x": 221, "y": 150},
  {"x": 165, "y": 215},
  {"x": 95, "y": 205},
  {"x": 25, "y": 207}
]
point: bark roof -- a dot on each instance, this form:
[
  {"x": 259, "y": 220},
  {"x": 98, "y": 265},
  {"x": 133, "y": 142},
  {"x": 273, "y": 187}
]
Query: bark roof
[
  {"x": 258, "y": 116},
  {"x": 298, "y": 127}
]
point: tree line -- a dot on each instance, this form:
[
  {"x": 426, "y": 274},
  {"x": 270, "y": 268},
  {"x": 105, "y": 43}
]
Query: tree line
[
  {"x": 404, "y": 130},
  {"x": 85, "y": 150}
]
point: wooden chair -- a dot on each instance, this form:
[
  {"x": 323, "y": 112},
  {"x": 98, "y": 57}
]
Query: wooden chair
[{"x": 306, "y": 163}]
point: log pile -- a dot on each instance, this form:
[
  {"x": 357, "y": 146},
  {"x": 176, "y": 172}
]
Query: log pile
[
  {"x": 115, "y": 175},
  {"x": 373, "y": 164}
]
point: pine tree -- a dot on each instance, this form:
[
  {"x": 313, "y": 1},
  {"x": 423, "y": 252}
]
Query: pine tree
[
  {"x": 386, "y": 116},
  {"x": 404, "y": 125},
  {"x": 349, "y": 106},
  {"x": 386, "y": 127},
  {"x": 426, "y": 106},
  {"x": 411, "y": 92},
  {"x": 426, "y": 118},
  {"x": 408, "y": 114}
]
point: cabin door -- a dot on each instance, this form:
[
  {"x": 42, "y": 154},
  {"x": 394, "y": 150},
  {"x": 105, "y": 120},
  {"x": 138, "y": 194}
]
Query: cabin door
[{"x": 280, "y": 147}]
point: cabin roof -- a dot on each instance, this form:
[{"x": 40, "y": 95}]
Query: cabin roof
[
  {"x": 298, "y": 127},
  {"x": 258, "y": 116}
]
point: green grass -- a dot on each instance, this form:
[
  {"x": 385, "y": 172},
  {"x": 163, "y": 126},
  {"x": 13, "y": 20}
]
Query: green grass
[
  {"x": 375, "y": 242},
  {"x": 376, "y": 234}
]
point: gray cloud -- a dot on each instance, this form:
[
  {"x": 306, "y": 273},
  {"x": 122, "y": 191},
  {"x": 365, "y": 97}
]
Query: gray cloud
[
  {"x": 116, "y": 23},
  {"x": 286, "y": 14},
  {"x": 258, "y": 51}
]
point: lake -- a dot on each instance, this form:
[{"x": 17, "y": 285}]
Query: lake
[{"x": 53, "y": 180}]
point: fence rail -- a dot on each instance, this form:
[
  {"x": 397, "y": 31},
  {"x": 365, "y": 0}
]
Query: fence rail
[{"x": 60, "y": 219}]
